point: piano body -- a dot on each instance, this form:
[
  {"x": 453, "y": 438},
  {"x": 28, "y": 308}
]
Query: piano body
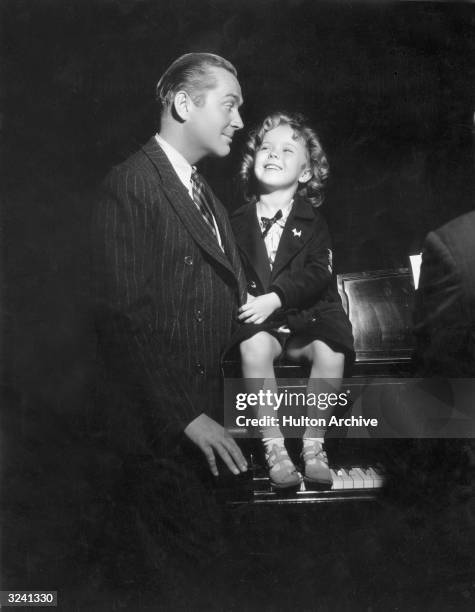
[{"x": 379, "y": 305}]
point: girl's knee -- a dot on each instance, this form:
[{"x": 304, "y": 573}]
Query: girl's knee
[
  {"x": 325, "y": 356},
  {"x": 258, "y": 349}
]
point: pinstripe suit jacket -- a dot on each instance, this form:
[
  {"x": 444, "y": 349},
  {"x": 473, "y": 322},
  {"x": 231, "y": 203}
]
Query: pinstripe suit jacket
[
  {"x": 167, "y": 299},
  {"x": 445, "y": 301}
]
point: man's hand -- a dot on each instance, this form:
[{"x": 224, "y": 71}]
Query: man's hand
[
  {"x": 257, "y": 310},
  {"x": 210, "y": 436}
]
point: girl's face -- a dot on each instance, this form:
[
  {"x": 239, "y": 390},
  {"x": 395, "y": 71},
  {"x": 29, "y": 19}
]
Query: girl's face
[{"x": 281, "y": 161}]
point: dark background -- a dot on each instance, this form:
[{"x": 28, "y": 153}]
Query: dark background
[{"x": 390, "y": 88}]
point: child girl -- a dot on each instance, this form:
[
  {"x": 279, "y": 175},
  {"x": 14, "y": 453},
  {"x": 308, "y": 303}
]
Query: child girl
[{"x": 294, "y": 302}]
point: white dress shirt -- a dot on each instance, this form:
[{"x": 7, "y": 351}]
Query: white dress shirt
[{"x": 274, "y": 234}]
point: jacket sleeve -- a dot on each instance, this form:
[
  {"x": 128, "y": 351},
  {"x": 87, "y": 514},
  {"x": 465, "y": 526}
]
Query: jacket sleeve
[
  {"x": 124, "y": 253},
  {"x": 439, "y": 322},
  {"x": 439, "y": 286},
  {"x": 301, "y": 288}
]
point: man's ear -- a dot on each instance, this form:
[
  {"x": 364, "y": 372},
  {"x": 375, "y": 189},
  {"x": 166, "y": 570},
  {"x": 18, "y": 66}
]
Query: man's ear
[
  {"x": 182, "y": 105},
  {"x": 305, "y": 176}
]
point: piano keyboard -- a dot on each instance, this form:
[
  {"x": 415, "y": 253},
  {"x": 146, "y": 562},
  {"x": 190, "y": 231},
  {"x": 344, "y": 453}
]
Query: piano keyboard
[{"x": 354, "y": 483}]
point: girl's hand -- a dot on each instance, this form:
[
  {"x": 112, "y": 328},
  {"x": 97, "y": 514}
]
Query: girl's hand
[
  {"x": 250, "y": 298},
  {"x": 257, "y": 310}
]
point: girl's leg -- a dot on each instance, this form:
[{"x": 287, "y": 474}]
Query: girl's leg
[
  {"x": 326, "y": 374},
  {"x": 257, "y": 361},
  {"x": 325, "y": 377}
]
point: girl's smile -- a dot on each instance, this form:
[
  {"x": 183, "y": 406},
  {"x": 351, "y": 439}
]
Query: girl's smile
[{"x": 272, "y": 166}]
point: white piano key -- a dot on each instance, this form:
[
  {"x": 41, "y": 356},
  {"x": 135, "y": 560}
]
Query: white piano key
[
  {"x": 337, "y": 480},
  {"x": 347, "y": 480},
  {"x": 368, "y": 481},
  {"x": 377, "y": 478},
  {"x": 358, "y": 482},
  {"x": 347, "y": 471}
]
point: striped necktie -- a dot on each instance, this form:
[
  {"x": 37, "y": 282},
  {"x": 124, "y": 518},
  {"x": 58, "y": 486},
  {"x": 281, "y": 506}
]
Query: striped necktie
[{"x": 199, "y": 198}]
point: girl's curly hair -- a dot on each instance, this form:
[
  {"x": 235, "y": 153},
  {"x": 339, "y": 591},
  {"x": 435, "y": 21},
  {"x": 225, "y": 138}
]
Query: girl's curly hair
[{"x": 319, "y": 167}]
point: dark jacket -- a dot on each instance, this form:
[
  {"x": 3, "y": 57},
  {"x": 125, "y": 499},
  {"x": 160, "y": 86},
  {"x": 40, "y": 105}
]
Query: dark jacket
[
  {"x": 302, "y": 274},
  {"x": 444, "y": 317},
  {"x": 167, "y": 299}
]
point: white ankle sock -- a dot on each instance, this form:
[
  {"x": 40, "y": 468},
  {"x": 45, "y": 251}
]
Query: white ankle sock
[
  {"x": 311, "y": 441},
  {"x": 269, "y": 443}
]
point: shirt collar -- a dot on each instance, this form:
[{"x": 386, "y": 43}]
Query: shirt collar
[
  {"x": 285, "y": 212},
  {"x": 179, "y": 163}
]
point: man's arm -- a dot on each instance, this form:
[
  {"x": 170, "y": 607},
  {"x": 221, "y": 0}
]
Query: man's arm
[
  {"x": 439, "y": 287},
  {"x": 438, "y": 316},
  {"x": 125, "y": 252}
]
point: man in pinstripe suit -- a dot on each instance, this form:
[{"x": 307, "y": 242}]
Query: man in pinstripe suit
[{"x": 169, "y": 284}]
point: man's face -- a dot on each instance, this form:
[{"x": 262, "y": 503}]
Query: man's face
[
  {"x": 281, "y": 160},
  {"x": 210, "y": 127}
]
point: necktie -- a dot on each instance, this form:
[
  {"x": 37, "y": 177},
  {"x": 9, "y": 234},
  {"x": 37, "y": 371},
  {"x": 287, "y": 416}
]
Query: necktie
[
  {"x": 268, "y": 223},
  {"x": 199, "y": 198}
]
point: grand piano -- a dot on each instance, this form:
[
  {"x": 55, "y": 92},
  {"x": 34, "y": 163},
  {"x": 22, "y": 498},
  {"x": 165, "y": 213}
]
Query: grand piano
[{"x": 379, "y": 304}]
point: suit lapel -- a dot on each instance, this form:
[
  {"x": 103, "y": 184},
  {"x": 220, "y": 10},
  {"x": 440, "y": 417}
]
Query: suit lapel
[
  {"x": 180, "y": 200},
  {"x": 249, "y": 239},
  {"x": 228, "y": 241},
  {"x": 297, "y": 232}
]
